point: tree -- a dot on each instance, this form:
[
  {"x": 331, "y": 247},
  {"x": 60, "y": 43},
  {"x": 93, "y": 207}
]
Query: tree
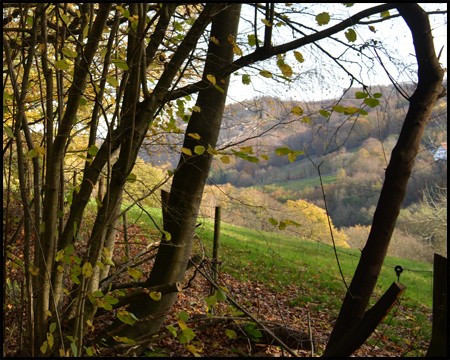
[
  {"x": 344, "y": 340},
  {"x": 132, "y": 69}
]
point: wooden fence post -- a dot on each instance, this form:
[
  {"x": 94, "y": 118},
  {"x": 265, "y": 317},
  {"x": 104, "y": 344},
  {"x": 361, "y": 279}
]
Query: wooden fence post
[
  {"x": 216, "y": 245},
  {"x": 439, "y": 337}
]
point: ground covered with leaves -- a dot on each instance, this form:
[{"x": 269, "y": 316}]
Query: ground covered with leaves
[{"x": 218, "y": 334}]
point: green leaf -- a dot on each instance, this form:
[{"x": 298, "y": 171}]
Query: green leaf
[
  {"x": 265, "y": 73},
  {"x": 273, "y": 221},
  {"x": 74, "y": 349},
  {"x": 361, "y": 95},
  {"x": 111, "y": 299},
  {"x": 184, "y": 316},
  {"x": 323, "y": 18},
  {"x": 219, "y": 88},
  {"x": 131, "y": 178},
  {"x": 297, "y": 110},
  {"x": 266, "y": 22},
  {"x": 120, "y": 64},
  {"x": 126, "y": 317},
  {"x": 65, "y": 18},
  {"x": 69, "y": 53},
  {"x": 377, "y": 95},
  {"x": 385, "y": 14},
  {"x": 282, "y": 225},
  {"x": 363, "y": 112},
  {"x": 52, "y": 327},
  {"x": 339, "y": 108},
  {"x": 98, "y": 294},
  {"x": 221, "y": 296},
  {"x": 167, "y": 235},
  {"x": 86, "y": 31},
  {"x": 136, "y": 274},
  {"x": 372, "y": 102},
  {"x": 7, "y": 130},
  {"x": 199, "y": 150},
  {"x": 188, "y": 333},
  {"x": 349, "y": 4},
  {"x": 30, "y": 20},
  {"x": 211, "y": 301},
  {"x": 103, "y": 52},
  {"x": 265, "y": 157},
  {"x": 61, "y": 64},
  {"x": 282, "y": 151},
  {"x": 253, "y": 159},
  {"x": 299, "y": 57},
  {"x": 324, "y": 113},
  {"x": 196, "y": 108},
  {"x": 247, "y": 149},
  {"x": 93, "y": 150},
  {"x": 351, "y": 110},
  {"x": 230, "y": 333},
  {"x": 172, "y": 330},
  {"x": 246, "y": 79},
  {"x": 350, "y": 34},
  {"x": 251, "y": 40},
  {"x": 112, "y": 80},
  {"x": 124, "y": 339}
]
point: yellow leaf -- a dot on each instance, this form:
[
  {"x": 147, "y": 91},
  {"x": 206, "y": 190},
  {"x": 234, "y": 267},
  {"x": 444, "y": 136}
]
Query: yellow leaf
[
  {"x": 225, "y": 159},
  {"x": 211, "y": 78},
  {"x": 297, "y": 110},
  {"x": 194, "y": 135},
  {"x": 87, "y": 270},
  {"x": 182, "y": 325},
  {"x": 266, "y": 22},
  {"x": 186, "y": 151},
  {"x": 306, "y": 119},
  {"x": 196, "y": 108},
  {"x": 237, "y": 50},
  {"x": 214, "y": 40},
  {"x": 48, "y": 313},
  {"x": 299, "y": 56},
  {"x": 265, "y": 73},
  {"x": 155, "y": 295}
]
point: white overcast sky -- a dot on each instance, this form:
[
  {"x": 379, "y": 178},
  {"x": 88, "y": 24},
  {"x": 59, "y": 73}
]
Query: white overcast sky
[{"x": 394, "y": 34}]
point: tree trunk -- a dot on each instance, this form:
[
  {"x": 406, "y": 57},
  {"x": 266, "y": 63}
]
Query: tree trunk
[
  {"x": 430, "y": 76},
  {"x": 188, "y": 182}
]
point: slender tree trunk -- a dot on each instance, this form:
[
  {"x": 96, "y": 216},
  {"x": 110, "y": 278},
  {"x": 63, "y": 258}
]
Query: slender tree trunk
[
  {"x": 396, "y": 180},
  {"x": 188, "y": 182}
]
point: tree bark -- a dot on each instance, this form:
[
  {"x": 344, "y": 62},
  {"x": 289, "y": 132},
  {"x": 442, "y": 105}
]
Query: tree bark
[
  {"x": 398, "y": 172},
  {"x": 189, "y": 180}
]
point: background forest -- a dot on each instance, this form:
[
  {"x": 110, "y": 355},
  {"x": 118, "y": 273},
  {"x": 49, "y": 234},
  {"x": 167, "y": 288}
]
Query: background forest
[{"x": 353, "y": 152}]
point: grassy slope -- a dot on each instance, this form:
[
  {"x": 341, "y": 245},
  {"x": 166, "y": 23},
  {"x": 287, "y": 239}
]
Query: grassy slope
[{"x": 276, "y": 260}]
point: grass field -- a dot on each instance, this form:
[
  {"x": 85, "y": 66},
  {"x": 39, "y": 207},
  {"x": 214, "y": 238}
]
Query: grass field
[{"x": 277, "y": 260}]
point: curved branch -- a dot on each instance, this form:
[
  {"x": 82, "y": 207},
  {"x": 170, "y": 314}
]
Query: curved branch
[{"x": 264, "y": 54}]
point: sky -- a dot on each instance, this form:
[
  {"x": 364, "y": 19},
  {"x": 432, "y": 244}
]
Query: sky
[{"x": 319, "y": 81}]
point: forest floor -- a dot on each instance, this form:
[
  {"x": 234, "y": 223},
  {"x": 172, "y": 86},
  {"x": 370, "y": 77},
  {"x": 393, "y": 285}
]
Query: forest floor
[
  {"x": 265, "y": 304},
  {"x": 216, "y": 340}
]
